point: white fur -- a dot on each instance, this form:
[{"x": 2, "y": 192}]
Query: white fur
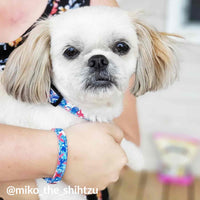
[
  {"x": 93, "y": 31},
  {"x": 93, "y": 36}
]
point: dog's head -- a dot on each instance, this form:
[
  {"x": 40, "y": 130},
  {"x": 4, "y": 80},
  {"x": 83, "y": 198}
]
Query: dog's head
[{"x": 90, "y": 52}]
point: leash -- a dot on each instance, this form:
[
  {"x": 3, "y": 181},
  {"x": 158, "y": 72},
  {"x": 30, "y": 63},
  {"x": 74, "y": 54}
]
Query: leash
[{"x": 56, "y": 99}]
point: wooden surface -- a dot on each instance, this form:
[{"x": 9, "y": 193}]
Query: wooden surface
[{"x": 145, "y": 186}]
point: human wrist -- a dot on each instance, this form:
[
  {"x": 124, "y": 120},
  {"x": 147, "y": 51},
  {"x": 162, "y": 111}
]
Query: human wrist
[
  {"x": 50, "y": 149},
  {"x": 35, "y": 153}
]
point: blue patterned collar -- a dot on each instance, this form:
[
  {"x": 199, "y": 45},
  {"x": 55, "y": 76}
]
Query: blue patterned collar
[{"x": 55, "y": 98}]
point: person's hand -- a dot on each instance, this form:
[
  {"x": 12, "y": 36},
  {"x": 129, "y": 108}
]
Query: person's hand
[{"x": 95, "y": 157}]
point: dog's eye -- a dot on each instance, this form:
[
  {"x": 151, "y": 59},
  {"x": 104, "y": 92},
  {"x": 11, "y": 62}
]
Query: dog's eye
[
  {"x": 121, "y": 48},
  {"x": 71, "y": 52}
]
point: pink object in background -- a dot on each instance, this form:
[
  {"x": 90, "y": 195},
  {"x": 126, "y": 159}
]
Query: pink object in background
[
  {"x": 185, "y": 180},
  {"x": 176, "y": 153}
]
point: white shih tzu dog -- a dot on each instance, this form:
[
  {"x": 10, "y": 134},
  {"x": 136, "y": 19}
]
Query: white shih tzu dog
[{"x": 89, "y": 55}]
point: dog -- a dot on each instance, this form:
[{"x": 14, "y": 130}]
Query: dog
[{"x": 89, "y": 54}]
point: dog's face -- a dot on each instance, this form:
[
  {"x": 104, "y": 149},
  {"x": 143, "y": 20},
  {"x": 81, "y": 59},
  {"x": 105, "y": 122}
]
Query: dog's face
[
  {"x": 93, "y": 51},
  {"x": 90, "y": 54}
]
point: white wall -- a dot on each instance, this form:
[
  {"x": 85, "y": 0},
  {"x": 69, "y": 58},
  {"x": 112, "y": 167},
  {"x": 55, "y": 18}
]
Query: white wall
[{"x": 176, "y": 109}]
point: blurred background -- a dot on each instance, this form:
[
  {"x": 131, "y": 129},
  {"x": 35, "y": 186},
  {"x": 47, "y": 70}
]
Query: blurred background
[{"x": 176, "y": 110}]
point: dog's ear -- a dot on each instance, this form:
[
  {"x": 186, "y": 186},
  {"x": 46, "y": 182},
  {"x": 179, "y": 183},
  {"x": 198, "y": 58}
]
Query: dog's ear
[
  {"x": 27, "y": 73},
  {"x": 157, "y": 64}
]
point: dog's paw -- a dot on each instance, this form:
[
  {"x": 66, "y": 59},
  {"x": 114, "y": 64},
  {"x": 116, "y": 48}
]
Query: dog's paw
[{"x": 134, "y": 155}]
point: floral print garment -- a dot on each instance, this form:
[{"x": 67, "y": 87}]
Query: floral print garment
[{"x": 54, "y": 7}]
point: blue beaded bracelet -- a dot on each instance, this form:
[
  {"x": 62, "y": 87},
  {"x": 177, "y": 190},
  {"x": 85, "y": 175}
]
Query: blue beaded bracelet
[{"x": 62, "y": 159}]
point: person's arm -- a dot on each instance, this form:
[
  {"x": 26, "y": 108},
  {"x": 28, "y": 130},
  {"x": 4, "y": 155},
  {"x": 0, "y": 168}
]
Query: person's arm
[
  {"x": 30, "y": 153},
  {"x": 26, "y": 153},
  {"x": 103, "y": 2},
  {"x": 128, "y": 121}
]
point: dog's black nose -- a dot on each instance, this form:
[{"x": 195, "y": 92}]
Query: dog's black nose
[{"x": 98, "y": 62}]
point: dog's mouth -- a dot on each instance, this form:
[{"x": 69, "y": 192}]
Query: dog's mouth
[
  {"x": 98, "y": 81},
  {"x": 101, "y": 82}
]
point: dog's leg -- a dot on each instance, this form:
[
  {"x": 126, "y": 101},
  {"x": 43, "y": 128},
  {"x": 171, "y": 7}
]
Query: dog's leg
[{"x": 134, "y": 155}]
